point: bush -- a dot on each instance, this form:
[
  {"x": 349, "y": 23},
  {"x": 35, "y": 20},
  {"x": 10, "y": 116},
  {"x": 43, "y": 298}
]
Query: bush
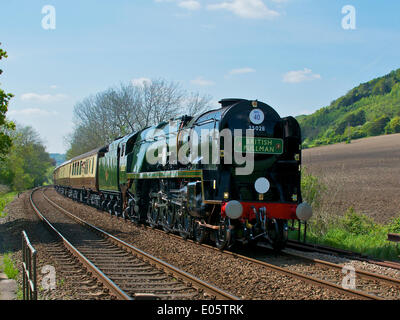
[
  {"x": 393, "y": 126},
  {"x": 376, "y": 127},
  {"x": 358, "y": 133},
  {"x": 394, "y": 225},
  {"x": 357, "y": 224},
  {"x": 9, "y": 268},
  {"x": 352, "y": 231},
  {"x": 311, "y": 188},
  {"x": 4, "y": 200}
]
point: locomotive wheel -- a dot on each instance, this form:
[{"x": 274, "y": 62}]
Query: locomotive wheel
[
  {"x": 129, "y": 212},
  {"x": 170, "y": 219},
  {"x": 109, "y": 207},
  {"x": 135, "y": 215},
  {"x": 278, "y": 235},
  {"x": 115, "y": 208},
  {"x": 166, "y": 217},
  {"x": 88, "y": 199},
  {"x": 183, "y": 224},
  {"x": 103, "y": 203},
  {"x": 223, "y": 234},
  {"x": 199, "y": 233},
  {"x": 152, "y": 214}
]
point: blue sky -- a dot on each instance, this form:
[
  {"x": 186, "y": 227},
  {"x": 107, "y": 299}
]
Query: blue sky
[{"x": 292, "y": 54}]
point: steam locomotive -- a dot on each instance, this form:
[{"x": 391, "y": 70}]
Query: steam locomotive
[{"x": 228, "y": 175}]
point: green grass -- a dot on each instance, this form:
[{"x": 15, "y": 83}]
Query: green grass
[
  {"x": 9, "y": 268},
  {"x": 358, "y": 233},
  {"x": 12, "y": 273},
  {"x": 351, "y": 231},
  {"x": 6, "y": 198}
]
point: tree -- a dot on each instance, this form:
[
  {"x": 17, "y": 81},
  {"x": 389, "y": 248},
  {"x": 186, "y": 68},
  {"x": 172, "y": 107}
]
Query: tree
[
  {"x": 5, "y": 126},
  {"x": 196, "y": 103},
  {"x": 115, "y": 112},
  {"x": 377, "y": 126},
  {"x": 383, "y": 86},
  {"x": 353, "y": 119},
  {"x": 393, "y": 126}
]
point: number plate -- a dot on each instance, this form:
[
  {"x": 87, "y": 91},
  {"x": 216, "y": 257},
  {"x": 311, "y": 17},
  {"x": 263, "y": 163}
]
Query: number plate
[{"x": 258, "y": 145}]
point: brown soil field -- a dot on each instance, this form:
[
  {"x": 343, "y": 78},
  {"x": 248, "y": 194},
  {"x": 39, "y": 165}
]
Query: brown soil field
[{"x": 364, "y": 174}]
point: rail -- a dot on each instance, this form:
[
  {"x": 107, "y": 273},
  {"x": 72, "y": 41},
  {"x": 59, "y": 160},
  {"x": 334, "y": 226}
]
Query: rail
[
  {"x": 29, "y": 285},
  {"x": 187, "y": 278}
]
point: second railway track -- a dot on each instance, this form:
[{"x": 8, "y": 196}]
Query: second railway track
[{"x": 126, "y": 271}]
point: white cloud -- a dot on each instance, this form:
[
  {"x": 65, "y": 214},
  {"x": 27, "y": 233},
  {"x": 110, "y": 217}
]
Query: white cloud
[
  {"x": 300, "y": 76},
  {"x": 251, "y": 9},
  {"x": 185, "y": 4},
  {"x": 31, "y": 112},
  {"x": 53, "y": 86},
  {"x": 241, "y": 71},
  {"x": 43, "y": 98},
  {"x": 200, "y": 81},
  {"x": 139, "y": 82},
  {"x": 190, "y": 5}
]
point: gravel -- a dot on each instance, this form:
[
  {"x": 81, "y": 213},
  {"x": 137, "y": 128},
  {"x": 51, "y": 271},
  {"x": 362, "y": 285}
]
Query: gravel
[
  {"x": 330, "y": 274},
  {"x": 72, "y": 282},
  {"x": 241, "y": 278},
  {"x": 363, "y": 265}
]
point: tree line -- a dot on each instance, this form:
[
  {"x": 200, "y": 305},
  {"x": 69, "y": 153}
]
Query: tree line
[
  {"x": 27, "y": 164},
  {"x": 370, "y": 109},
  {"x": 115, "y": 112},
  {"x": 98, "y": 120}
]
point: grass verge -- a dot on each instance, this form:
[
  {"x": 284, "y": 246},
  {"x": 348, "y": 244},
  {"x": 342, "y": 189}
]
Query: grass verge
[
  {"x": 6, "y": 198},
  {"x": 352, "y": 231},
  {"x": 8, "y": 267}
]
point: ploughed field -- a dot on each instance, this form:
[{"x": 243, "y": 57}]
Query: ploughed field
[{"x": 364, "y": 174}]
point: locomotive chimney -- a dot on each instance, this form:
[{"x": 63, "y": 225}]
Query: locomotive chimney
[{"x": 228, "y": 102}]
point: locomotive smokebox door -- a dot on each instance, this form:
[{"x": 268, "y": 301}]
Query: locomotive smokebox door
[{"x": 194, "y": 198}]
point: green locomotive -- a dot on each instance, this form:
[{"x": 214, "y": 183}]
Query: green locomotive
[{"x": 228, "y": 175}]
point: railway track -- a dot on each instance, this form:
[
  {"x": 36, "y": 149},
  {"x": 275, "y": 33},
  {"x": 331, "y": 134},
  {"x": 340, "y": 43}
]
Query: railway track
[
  {"x": 304, "y": 275},
  {"x": 331, "y": 279},
  {"x": 375, "y": 284},
  {"x": 297, "y": 245},
  {"x": 127, "y": 272}
]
